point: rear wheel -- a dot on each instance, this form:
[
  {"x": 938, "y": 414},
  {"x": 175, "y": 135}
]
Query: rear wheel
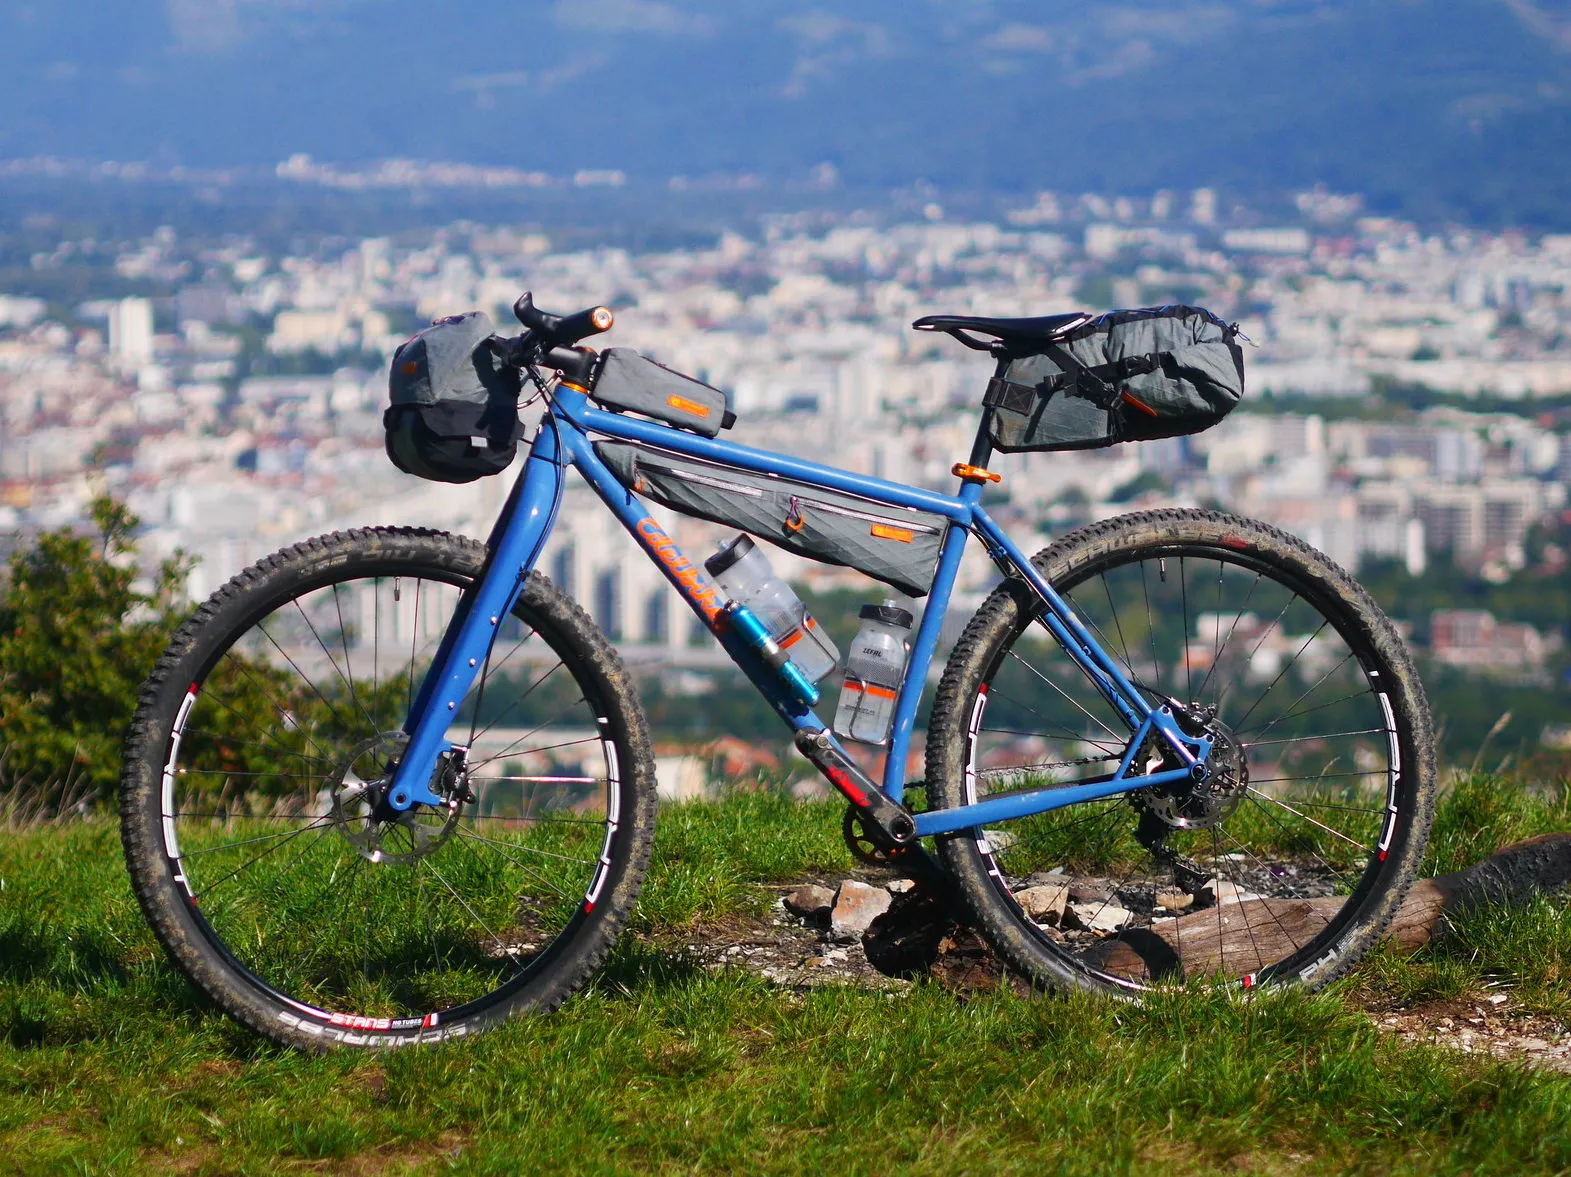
[
  {"x": 1288, "y": 863},
  {"x": 252, "y": 815}
]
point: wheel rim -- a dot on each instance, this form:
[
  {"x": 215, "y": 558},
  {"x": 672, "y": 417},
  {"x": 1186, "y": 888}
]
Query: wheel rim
[
  {"x": 1256, "y": 880},
  {"x": 343, "y": 911}
]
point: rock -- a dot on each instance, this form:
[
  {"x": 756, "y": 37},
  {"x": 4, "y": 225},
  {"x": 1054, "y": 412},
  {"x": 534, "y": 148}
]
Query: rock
[
  {"x": 1222, "y": 892},
  {"x": 999, "y": 840},
  {"x": 899, "y": 886},
  {"x": 856, "y": 906},
  {"x": 1096, "y": 917},
  {"x": 810, "y": 901},
  {"x": 1044, "y": 904},
  {"x": 1172, "y": 899}
]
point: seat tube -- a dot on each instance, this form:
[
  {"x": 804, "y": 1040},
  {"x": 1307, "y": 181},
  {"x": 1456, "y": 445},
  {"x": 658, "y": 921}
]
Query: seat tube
[
  {"x": 922, "y": 651},
  {"x": 515, "y": 543},
  {"x": 931, "y": 628}
]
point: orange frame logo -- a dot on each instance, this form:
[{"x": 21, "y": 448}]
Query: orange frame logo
[{"x": 692, "y": 583}]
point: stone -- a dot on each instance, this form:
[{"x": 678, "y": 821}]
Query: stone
[
  {"x": 1104, "y": 918},
  {"x": 855, "y": 908},
  {"x": 810, "y": 901},
  {"x": 1224, "y": 892},
  {"x": 1172, "y": 899},
  {"x": 999, "y": 840},
  {"x": 1045, "y": 903},
  {"x": 900, "y": 886}
]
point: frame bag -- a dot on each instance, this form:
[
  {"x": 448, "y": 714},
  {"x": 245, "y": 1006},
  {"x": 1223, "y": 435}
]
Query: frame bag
[
  {"x": 896, "y": 545},
  {"x": 1123, "y": 376},
  {"x": 454, "y": 411},
  {"x": 629, "y": 382}
]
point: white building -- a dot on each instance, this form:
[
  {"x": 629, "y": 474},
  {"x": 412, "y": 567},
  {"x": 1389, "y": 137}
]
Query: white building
[{"x": 131, "y": 332}]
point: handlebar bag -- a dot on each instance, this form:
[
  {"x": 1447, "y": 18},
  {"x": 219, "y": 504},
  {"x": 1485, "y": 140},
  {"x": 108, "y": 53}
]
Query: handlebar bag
[
  {"x": 453, "y": 415},
  {"x": 1124, "y": 376},
  {"x": 893, "y": 544},
  {"x": 627, "y": 381}
]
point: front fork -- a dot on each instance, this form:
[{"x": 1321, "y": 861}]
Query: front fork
[{"x": 515, "y": 544}]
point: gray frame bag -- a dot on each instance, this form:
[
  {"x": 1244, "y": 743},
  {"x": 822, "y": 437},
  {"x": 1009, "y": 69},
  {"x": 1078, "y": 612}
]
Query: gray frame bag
[
  {"x": 628, "y": 382},
  {"x": 1124, "y": 376},
  {"x": 454, "y": 410},
  {"x": 892, "y": 544}
]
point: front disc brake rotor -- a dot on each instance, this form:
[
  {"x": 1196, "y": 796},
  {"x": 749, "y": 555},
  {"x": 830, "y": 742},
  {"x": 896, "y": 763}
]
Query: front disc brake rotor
[{"x": 378, "y": 834}]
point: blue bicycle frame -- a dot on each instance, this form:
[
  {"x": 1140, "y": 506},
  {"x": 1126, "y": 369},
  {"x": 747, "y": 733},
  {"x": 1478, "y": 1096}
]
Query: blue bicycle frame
[{"x": 563, "y": 439}]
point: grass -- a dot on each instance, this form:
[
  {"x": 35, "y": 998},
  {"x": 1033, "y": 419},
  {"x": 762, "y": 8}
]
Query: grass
[{"x": 110, "y": 1064}]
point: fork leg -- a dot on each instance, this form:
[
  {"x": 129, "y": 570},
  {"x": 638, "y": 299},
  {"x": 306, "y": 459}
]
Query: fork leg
[{"x": 515, "y": 544}]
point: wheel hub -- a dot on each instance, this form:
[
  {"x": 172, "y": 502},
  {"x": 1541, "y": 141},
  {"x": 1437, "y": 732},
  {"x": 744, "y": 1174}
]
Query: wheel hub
[
  {"x": 1210, "y": 797},
  {"x": 379, "y": 833}
]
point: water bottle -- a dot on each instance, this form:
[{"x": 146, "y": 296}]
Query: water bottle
[
  {"x": 743, "y": 573},
  {"x": 875, "y": 667}
]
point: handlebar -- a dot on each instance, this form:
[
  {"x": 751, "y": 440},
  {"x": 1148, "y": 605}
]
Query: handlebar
[
  {"x": 549, "y": 339},
  {"x": 561, "y": 330}
]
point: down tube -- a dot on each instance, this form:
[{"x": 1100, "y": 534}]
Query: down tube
[
  {"x": 922, "y": 651},
  {"x": 701, "y": 595}
]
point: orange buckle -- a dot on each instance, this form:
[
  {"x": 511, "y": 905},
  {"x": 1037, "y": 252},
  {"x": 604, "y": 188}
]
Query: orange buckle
[{"x": 975, "y": 473}]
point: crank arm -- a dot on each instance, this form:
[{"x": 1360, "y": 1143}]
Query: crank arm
[{"x": 881, "y": 815}]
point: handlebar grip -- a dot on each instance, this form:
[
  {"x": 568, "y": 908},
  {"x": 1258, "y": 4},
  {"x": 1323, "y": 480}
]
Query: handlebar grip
[
  {"x": 559, "y": 330},
  {"x": 582, "y": 325}
]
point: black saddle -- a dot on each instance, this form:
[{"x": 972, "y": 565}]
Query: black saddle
[{"x": 1011, "y": 333}]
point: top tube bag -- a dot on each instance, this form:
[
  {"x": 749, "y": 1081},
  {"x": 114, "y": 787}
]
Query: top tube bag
[
  {"x": 628, "y": 382},
  {"x": 454, "y": 410},
  {"x": 1124, "y": 376}
]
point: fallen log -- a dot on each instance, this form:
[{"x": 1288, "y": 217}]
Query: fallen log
[{"x": 1240, "y": 937}]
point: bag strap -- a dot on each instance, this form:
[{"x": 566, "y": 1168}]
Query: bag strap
[
  {"x": 1096, "y": 384},
  {"x": 1006, "y": 394}
]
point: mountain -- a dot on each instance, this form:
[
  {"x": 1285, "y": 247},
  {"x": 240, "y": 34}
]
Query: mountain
[{"x": 1459, "y": 109}]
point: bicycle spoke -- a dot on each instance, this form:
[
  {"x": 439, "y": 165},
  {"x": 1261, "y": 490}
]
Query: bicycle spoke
[
  {"x": 475, "y": 735},
  {"x": 1244, "y": 718},
  {"x": 1238, "y": 615},
  {"x": 1062, "y": 692}
]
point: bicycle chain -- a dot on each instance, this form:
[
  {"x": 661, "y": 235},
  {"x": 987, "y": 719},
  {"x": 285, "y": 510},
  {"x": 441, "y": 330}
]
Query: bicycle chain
[{"x": 1017, "y": 768}]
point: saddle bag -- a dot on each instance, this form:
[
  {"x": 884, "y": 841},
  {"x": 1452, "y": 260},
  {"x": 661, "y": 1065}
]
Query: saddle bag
[
  {"x": 1124, "y": 376},
  {"x": 453, "y": 415},
  {"x": 893, "y": 544},
  {"x": 629, "y": 382}
]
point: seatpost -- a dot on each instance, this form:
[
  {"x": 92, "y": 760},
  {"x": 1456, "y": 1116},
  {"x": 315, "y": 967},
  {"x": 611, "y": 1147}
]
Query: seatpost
[{"x": 982, "y": 447}]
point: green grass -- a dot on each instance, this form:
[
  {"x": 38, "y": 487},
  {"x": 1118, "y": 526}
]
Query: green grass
[{"x": 110, "y": 1064}]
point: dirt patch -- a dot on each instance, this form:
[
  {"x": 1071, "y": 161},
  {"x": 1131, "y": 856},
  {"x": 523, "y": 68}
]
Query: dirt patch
[
  {"x": 1483, "y": 1023},
  {"x": 920, "y": 938}
]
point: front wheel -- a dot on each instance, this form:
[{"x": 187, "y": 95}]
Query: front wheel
[
  {"x": 1288, "y": 862},
  {"x": 253, "y": 821}
]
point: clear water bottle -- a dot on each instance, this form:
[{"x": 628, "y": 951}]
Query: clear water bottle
[
  {"x": 743, "y": 572},
  {"x": 875, "y": 667}
]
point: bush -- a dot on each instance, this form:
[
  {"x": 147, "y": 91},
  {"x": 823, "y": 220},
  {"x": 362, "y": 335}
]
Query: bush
[{"x": 77, "y": 637}]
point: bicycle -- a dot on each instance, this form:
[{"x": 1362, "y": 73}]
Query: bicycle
[{"x": 323, "y": 846}]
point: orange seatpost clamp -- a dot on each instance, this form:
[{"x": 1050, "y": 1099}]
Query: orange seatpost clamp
[{"x": 975, "y": 473}]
